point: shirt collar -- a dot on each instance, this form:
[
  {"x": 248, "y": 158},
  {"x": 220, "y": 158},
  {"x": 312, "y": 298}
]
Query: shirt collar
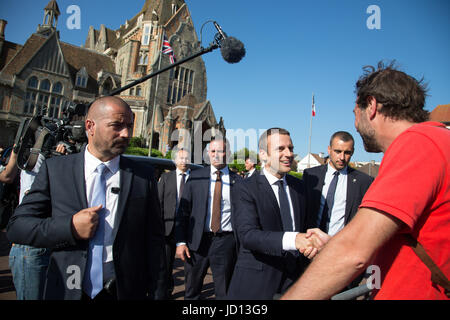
[
  {"x": 331, "y": 170},
  {"x": 91, "y": 163},
  {"x": 271, "y": 178},
  {"x": 188, "y": 171},
  {"x": 224, "y": 170}
]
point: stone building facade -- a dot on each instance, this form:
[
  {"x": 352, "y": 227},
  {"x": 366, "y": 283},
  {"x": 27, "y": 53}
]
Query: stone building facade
[
  {"x": 135, "y": 49},
  {"x": 45, "y": 74}
]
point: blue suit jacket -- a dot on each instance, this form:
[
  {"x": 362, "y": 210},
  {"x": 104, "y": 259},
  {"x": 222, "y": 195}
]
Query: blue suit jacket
[
  {"x": 44, "y": 219},
  {"x": 263, "y": 268},
  {"x": 191, "y": 216}
]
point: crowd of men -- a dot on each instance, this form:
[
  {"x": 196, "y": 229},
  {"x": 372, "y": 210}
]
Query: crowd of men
[{"x": 110, "y": 231}]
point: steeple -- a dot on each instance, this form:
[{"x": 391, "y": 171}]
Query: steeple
[{"x": 51, "y": 14}]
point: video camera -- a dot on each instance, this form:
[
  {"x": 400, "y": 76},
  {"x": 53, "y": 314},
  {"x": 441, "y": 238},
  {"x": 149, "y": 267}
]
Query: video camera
[{"x": 41, "y": 135}]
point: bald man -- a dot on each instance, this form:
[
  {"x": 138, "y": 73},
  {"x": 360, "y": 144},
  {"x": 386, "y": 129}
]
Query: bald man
[{"x": 100, "y": 214}]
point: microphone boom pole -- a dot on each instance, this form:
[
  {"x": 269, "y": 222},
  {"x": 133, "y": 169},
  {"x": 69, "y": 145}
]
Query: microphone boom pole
[{"x": 212, "y": 47}]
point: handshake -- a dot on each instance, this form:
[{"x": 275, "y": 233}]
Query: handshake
[{"x": 311, "y": 242}]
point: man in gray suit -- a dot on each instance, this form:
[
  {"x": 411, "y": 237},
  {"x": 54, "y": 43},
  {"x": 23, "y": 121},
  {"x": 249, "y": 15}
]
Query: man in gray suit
[
  {"x": 170, "y": 187},
  {"x": 335, "y": 191}
]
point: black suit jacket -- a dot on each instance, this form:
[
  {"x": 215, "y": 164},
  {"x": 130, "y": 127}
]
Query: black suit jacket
[
  {"x": 357, "y": 184},
  {"x": 191, "y": 215},
  {"x": 44, "y": 219},
  {"x": 167, "y": 191},
  {"x": 262, "y": 265}
]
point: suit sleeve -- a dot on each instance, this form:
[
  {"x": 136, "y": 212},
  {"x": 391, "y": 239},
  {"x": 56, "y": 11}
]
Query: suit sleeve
[
  {"x": 33, "y": 223},
  {"x": 310, "y": 216},
  {"x": 161, "y": 187},
  {"x": 156, "y": 248},
  {"x": 248, "y": 227}
]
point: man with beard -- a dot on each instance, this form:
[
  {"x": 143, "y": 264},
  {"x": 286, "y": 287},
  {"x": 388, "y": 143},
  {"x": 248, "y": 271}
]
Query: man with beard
[
  {"x": 99, "y": 213},
  {"x": 403, "y": 223}
]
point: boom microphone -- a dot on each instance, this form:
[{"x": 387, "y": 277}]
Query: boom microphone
[{"x": 231, "y": 48}]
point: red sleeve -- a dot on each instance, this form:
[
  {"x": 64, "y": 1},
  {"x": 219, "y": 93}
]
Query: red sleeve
[{"x": 409, "y": 178}]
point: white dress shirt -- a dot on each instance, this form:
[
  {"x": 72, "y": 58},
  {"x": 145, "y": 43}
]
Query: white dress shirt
[
  {"x": 337, "y": 216},
  {"x": 251, "y": 172},
  {"x": 112, "y": 181},
  {"x": 289, "y": 236},
  {"x": 225, "y": 201},
  {"x": 27, "y": 177}
]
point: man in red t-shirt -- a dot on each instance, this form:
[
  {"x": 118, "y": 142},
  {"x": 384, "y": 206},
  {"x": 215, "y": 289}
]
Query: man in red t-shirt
[{"x": 411, "y": 195}]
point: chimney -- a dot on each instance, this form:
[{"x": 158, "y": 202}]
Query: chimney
[{"x": 2, "y": 28}]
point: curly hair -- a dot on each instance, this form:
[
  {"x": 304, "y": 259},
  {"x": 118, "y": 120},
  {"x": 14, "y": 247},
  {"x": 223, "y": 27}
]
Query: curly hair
[{"x": 402, "y": 96}]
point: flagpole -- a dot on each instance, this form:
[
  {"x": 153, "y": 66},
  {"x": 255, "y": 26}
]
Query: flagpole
[
  {"x": 154, "y": 102},
  {"x": 310, "y": 132}
]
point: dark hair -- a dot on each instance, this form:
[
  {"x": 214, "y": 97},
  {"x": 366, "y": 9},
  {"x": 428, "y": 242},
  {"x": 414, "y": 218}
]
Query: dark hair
[
  {"x": 344, "y": 136},
  {"x": 402, "y": 96},
  {"x": 263, "y": 139}
]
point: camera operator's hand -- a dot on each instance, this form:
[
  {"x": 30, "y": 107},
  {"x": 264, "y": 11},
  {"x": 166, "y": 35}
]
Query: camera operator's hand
[
  {"x": 84, "y": 223},
  {"x": 61, "y": 149},
  {"x": 9, "y": 173}
]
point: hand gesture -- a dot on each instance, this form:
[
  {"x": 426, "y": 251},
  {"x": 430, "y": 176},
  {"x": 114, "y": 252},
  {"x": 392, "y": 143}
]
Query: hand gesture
[
  {"x": 182, "y": 252},
  {"x": 85, "y": 222}
]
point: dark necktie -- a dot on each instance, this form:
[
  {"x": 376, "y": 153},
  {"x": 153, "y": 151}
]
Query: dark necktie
[
  {"x": 183, "y": 181},
  {"x": 93, "y": 279},
  {"x": 216, "y": 217},
  {"x": 326, "y": 214},
  {"x": 285, "y": 211}
]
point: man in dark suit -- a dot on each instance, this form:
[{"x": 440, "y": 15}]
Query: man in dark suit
[
  {"x": 269, "y": 220},
  {"x": 100, "y": 214},
  {"x": 250, "y": 166},
  {"x": 170, "y": 188},
  {"x": 350, "y": 185},
  {"x": 203, "y": 228}
]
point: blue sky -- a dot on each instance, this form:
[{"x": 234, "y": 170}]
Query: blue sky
[{"x": 294, "y": 48}]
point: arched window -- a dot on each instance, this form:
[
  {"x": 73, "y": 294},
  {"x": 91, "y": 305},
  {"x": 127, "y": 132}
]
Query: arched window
[
  {"x": 138, "y": 91},
  {"x": 33, "y": 82},
  {"x": 45, "y": 85},
  {"x": 57, "y": 88}
]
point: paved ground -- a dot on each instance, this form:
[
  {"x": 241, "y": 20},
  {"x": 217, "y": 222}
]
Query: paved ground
[{"x": 7, "y": 291}]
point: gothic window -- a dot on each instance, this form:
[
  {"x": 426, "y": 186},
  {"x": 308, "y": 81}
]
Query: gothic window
[
  {"x": 82, "y": 78},
  {"x": 40, "y": 100},
  {"x": 146, "y": 34},
  {"x": 57, "y": 88},
  {"x": 143, "y": 58},
  {"x": 45, "y": 85},
  {"x": 55, "y": 103},
  {"x": 181, "y": 82},
  {"x": 33, "y": 82}
]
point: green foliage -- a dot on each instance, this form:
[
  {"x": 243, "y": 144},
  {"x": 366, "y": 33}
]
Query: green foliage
[
  {"x": 143, "y": 152},
  {"x": 238, "y": 166},
  {"x": 156, "y": 153},
  {"x": 296, "y": 174},
  {"x": 137, "y": 151},
  {"x": 137, "y": 142},
  {"x": 242, "y": 154},
  {"x": 168, "y": 155}
]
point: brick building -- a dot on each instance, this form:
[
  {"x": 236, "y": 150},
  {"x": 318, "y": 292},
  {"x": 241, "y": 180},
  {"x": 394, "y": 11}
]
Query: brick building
[{"x": 45, "y": 74}]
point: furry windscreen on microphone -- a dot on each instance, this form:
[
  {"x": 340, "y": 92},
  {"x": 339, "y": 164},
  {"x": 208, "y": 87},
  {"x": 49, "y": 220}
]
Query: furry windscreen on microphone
[{"x": 232, "y": 50}]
